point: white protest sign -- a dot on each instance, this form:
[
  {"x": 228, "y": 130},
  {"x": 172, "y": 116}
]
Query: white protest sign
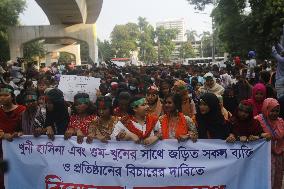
[{"x": 70, "y": 85}]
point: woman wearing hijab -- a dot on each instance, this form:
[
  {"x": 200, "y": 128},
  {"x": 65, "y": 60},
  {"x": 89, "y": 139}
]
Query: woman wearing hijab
[
  {"x": 209, "y": 119},
  {"x": 230, "y": 100},
  {"x": 210, "y": 85},
  {"x": 258, "y": 96},
  {"x": 57, "y": 116},
  {"x": 243, "y": 126},
  {"x": 273, "y": 125}
]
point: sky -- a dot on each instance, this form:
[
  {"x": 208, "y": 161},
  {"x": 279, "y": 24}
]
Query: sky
[{"x": 115, "y": 12}]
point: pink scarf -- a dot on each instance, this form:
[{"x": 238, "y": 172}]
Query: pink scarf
[
  {"x": 274, "y": 127},
  {"x": 257, "y": 106}
]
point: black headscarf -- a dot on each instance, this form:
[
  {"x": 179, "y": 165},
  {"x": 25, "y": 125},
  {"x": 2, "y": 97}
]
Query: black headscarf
[
  {"x": 59, "y": 117},
  {"x": 213, "y": 122}
]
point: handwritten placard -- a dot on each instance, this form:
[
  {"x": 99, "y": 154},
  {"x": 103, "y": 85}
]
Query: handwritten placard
[{"x": 70, "y": 85}]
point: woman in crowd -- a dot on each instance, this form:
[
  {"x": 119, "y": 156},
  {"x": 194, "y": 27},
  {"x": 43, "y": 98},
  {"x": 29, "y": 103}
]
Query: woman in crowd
[
  {"x": 188, "y": 106},
  {"x": 230, "y": 101},
  {"x": 174, "y": 124},
  {"x": 153, "y": 100},
  {"x": 274, "y": 126},
  {"x": 10, "y": 114},
  {"x": 10, "y": 119},
  {"x": 211, "y": 124},
  {"x": 83, "y": 115},
  {"x": 57, "y": 116},
  {"x": 165, "y": 88},
  {"x": 102, "y": 127},
  {"x": 33, "y": 118},
  {"x": 258, "y": 96},
  {"x": 243, "y": 126},
  {"x": 210, "y": 85},
  {"x": 123, "y": 104},
  {"x": 137, "y": 126}
]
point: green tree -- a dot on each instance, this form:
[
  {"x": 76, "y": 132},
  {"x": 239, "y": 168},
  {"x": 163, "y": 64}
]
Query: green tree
[
  {"x": 206, "y": 44},
  {"x": 186, "y": 51},
  {"x": 200, "y": 4},
  {"x": 124, "y": 39},
  {"x": 191, "y": 35},
  {"x": 105, "y": 50},
  {"x": 66, "y": 57},
  {"x": 242, "y": 30},
  {"x": 146, "y": 43},
  {"x": 165, "y": 43},
  {"x": 33, "y": 50},
  {"x": 9, "y": 15}
]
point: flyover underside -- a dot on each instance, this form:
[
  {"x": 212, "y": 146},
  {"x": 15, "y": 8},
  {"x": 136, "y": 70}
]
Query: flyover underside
[
  {"x": 71, "y": 12},
  {"x": 61, "y": 11}
]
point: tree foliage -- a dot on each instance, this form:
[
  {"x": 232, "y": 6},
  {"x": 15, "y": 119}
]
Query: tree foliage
[
  {"x": 206, "y": 44},
  {"x": 33, "y": 50},
  {"x": 141, "y": 37},
  {"x": 245, "y": 25},
  {"x": 191, "y": 35},
  {"x": 186, "y": 50},
  {"x": 124, "y": 39},
  {"x": 9, "y": 15},
  {"x": 105, "y": 50},
  {"x": 146, "y": 43},
  {"x": 165, "y": 42}
]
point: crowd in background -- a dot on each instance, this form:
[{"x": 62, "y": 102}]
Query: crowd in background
[{"x": 243, "y": 101}]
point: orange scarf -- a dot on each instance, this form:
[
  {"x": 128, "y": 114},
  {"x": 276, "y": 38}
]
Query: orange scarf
[
  {"x": 150, "y": 124},
  {"x": 181, "y": 128}
]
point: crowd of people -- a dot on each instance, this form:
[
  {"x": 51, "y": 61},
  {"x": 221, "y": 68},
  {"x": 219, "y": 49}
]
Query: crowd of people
[{"x": 242, "y": 102}]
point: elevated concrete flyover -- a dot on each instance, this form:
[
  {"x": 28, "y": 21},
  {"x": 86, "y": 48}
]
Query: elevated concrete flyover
[
  {"x": 73, "y": 19},
  {"x": 70, "y": 12}
]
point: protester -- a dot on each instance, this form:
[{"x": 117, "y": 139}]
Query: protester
[
  {"x": 243, "y": 126},
  {"x": 10, "y": 119},
  {"x": 33, "y": 119},
  {"x": 188, "y": 106},
  {"x": 211, "y": 124},
  {"x": 174, "y": 124},
  {"x": 273, "y": 125},
  {"x": 83, "y": 115},
  {"x": 137, "y": 126},
  {"x": 57, "y": 116},
  {"x": 102, "y": 127},
  {"x": 230, "y": 101},
  {"x": 257, "y": 98},
  {"x": 123, "y": 104},
  {"x": 210, "y": 85},
  {"x": 153, "y": 100}
]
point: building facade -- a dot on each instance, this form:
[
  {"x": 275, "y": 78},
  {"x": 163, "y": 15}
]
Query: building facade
[{"x": 179, "y": 25}]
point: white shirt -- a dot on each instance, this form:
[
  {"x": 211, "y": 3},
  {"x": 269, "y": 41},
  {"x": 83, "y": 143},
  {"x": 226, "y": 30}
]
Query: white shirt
[{"x": 119, "y": 127}]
